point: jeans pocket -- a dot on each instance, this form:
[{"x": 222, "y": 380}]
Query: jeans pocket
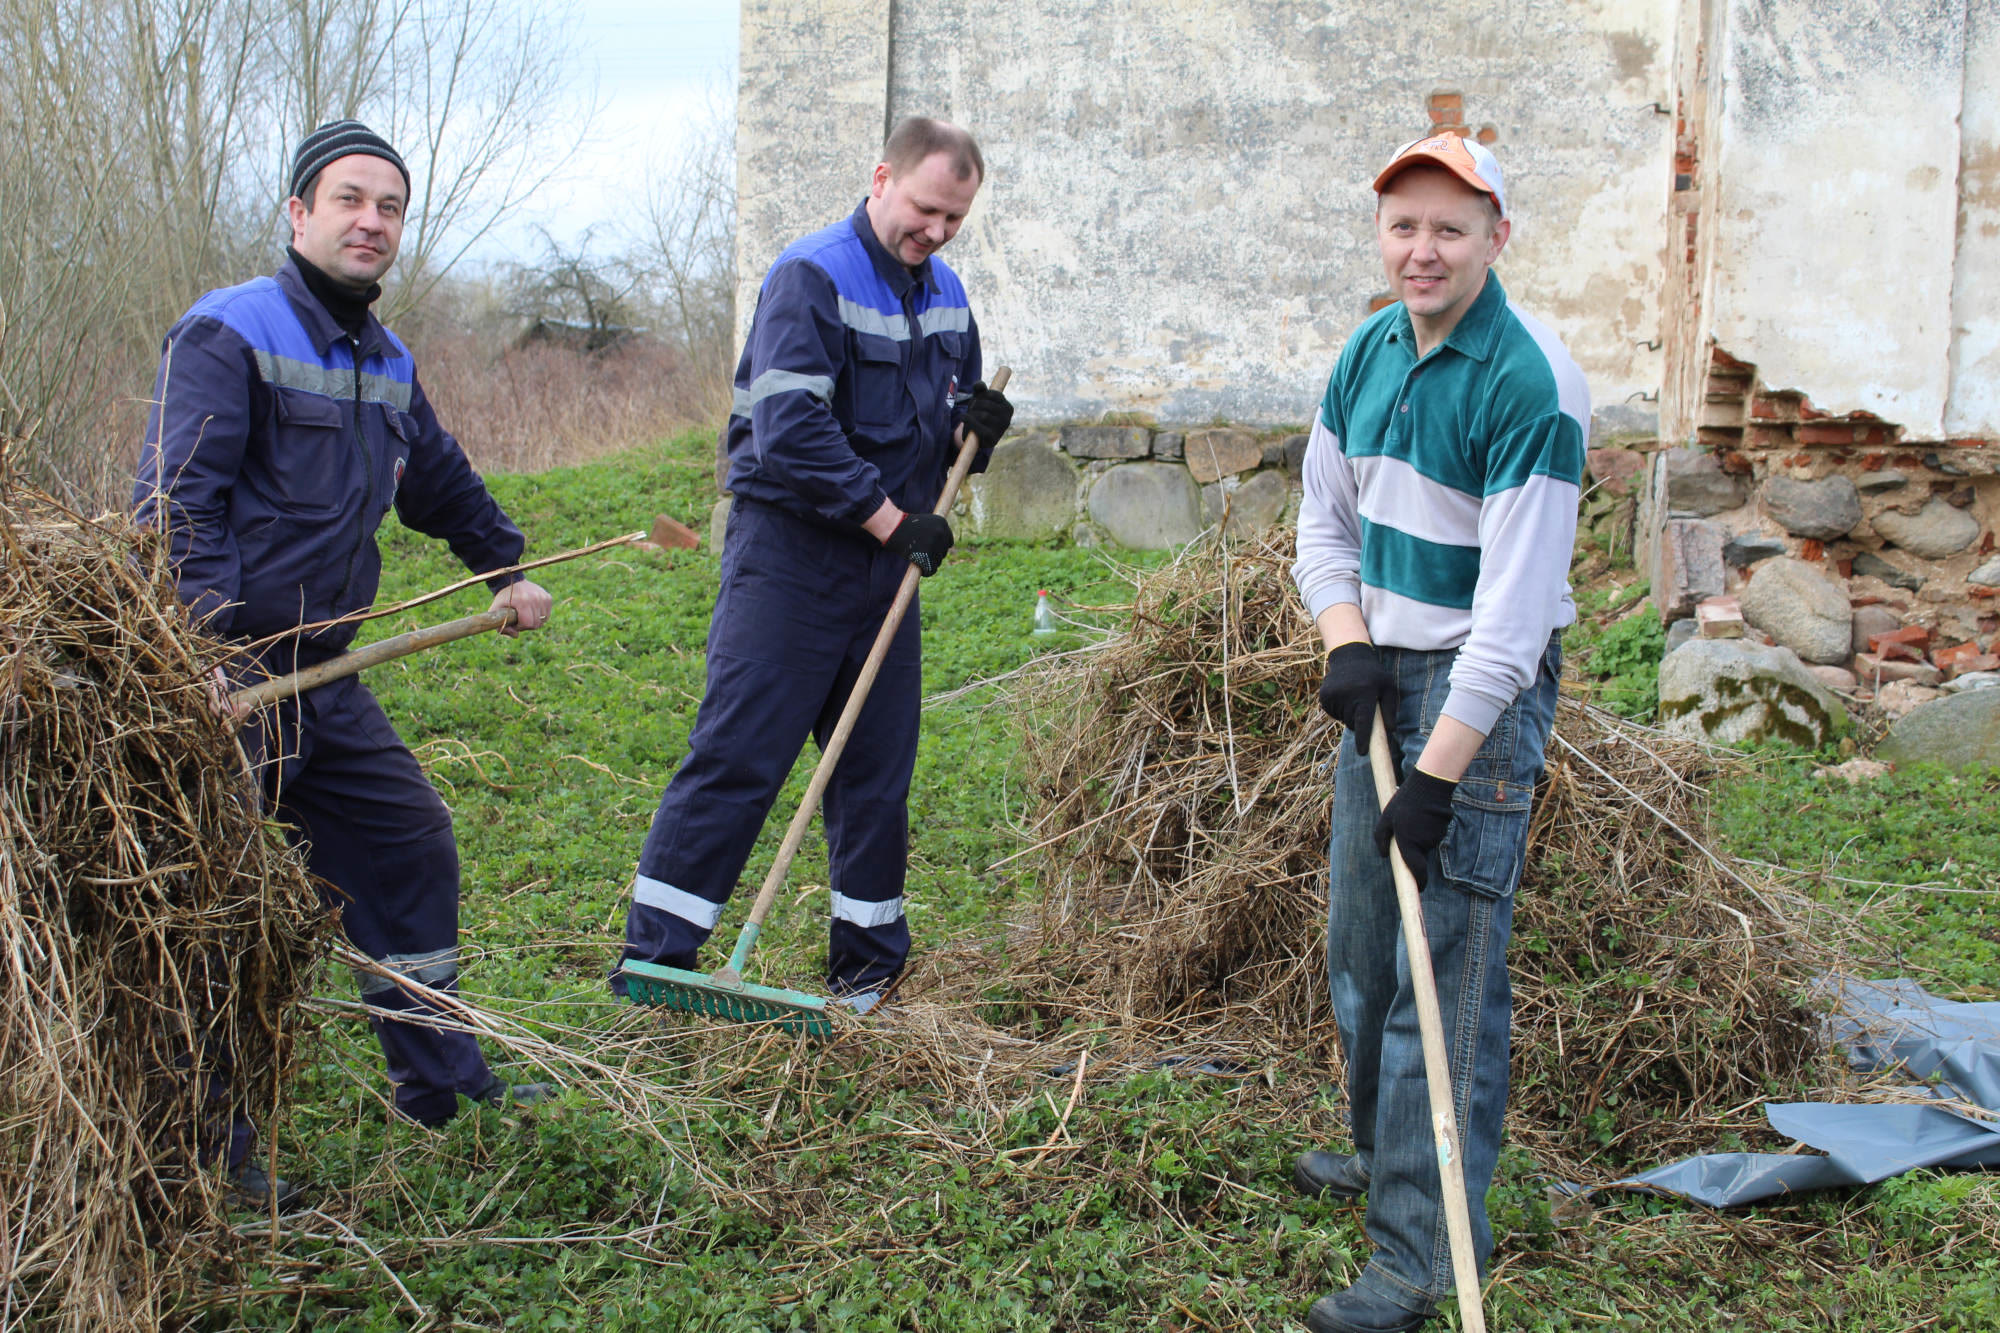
[{"x": 1487, "y": 844}]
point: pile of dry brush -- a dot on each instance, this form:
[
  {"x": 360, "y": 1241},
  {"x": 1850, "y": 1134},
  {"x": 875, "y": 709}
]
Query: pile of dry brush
[
  {"x": 156, "y": 938},
  {"x": 1179, "y": 782}
]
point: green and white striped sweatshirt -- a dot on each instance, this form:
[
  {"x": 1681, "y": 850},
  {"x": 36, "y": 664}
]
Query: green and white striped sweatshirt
[{"x": 1441, "y": 493}]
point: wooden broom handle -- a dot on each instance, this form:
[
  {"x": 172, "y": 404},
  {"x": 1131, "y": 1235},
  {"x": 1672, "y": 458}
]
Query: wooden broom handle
[
  {"x": 385, "y": 650},
  {"x": 1437, "y": 1066}
]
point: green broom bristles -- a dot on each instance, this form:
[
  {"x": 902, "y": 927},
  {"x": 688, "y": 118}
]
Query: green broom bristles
[{"x": 742, "y": 1002}]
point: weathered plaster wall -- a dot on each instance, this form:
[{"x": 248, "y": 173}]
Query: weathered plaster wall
[
  {"x": 1836, "y": 165},
  {"x": 1178, "y": 215},
  {"x": 1974, "y": 404},
  {"x": 814, "y": 77}
]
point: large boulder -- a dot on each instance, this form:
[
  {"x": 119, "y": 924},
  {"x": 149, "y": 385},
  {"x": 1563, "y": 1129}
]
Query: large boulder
[
  {"x": 1960, "y": 730},
  {"x": 1693, "y": 484},
  {"x": 1106, "y": 441},
  {"x": 1027, "y": 493},
  {"x": 1254, "y": 506},
  {"x": 1738, "y": 692},
  {"x": 1222, "y": 452},
  {"x": 1798, "y": 606},
  {"x": 1688, "y": 567},
  {"x": 1933, "y": 532},
  {"x": 1147, "y": 506},
  {"x": 1823, "y": 509}
]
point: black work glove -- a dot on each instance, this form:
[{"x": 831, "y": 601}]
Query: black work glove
[
  {"x": 988, "y": 414},
  {"x": 1356, "y": 684},
  {"x": 922, "y": 539},
  {"x": 1416, "y": 817}
]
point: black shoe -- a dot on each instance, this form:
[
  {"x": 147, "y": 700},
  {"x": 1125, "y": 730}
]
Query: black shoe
[
  {"x": 254, "y": 1187},
  {"x": 1329, "y": 1175},
  {"x": 1358, "y": 1311},
  {"x": 500, "y": 1093}
]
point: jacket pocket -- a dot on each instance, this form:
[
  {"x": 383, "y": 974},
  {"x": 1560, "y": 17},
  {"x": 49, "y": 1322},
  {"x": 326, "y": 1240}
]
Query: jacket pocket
[
  {"x": 878, "y": 383},
  {"x": 310, "y": 452}
]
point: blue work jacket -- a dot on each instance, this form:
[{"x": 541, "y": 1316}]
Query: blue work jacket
[
  {"x": 270, "y": 463},
  {"x": 855, "y": 374}
]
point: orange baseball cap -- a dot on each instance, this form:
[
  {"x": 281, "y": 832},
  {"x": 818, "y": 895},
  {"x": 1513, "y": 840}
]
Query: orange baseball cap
[{"x": 1466, "y": 159}]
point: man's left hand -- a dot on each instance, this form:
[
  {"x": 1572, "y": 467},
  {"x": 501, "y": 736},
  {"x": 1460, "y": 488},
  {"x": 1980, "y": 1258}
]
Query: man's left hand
[
  {"x": 988, "y": 414},
  {"x": 531, "y": 602},
  {"x": 1416, "y": 817}
]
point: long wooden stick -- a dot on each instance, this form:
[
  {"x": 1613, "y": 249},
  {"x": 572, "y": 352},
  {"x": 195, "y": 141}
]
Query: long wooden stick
[
  {"x": 1437, "y": 1065},
  {"x": 347, "y": 664},
  {"x": 836, "y": 743}
]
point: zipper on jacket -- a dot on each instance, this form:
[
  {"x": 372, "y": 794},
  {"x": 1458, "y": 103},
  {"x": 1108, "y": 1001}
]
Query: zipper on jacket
[{"x": 368, "y": 476}]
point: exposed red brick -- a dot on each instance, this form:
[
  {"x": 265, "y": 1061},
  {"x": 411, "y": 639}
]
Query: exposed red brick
[
  {"x": 1488, "y": 135},
  {"x": 1865, "y": 599},
  {"x": 1860, "y": 415},
  {"x": 1446, "y": 100},
  {"x": 1737, "y": 463},
  {"x": 1950, "y": 660},
  {"x": 1721, "y": 358},
  {"x": 1846, "y": 566},
  {"x": 1763, "y": 409},
  {"x": 1874, "y": 462},
  {"x": 1807, "y": 412},
  {"x": 1983, "y": 662},
  {"x": 1910, "y": 636},
  {"x": 1968, "y": 442},
  {"x": 1770, "y": 437},
  {"x": 1799, "y": 460},
  {"x": 1878, "y": 435},
  {"x": 1986, "y": 544},
  {"x": 1812, "y": 549},
  {"x": 1838, "y": 432},
  {"x": 1908, "y": 460},
  {"x": 1897, "y": 652},
  {"x": 1979, "y": 591}
]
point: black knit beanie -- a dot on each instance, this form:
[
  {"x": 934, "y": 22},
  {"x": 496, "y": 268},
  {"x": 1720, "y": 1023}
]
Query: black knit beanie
[{"x": 337, "y": 139}]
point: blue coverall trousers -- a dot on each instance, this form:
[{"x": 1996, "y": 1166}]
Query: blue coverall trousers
[
  {"x": 796, "y": 615},
  {"x": 375, "y": 829}
]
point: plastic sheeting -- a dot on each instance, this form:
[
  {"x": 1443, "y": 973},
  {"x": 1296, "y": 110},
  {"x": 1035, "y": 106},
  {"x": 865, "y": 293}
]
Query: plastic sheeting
[{"x": 1952, "y": 1121}]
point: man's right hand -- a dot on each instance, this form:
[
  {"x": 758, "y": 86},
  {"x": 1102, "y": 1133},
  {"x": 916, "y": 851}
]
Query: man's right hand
[
  {"x": 1355, "y": 685},
  {"x": 218, "y": 699},
  {"x": 922, "y": 539}
]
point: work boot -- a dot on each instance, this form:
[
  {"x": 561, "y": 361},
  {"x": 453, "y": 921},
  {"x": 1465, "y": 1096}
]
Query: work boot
[
  {"x": 254, "y": 1187},
  {"x": 1359, "y": 1311},
  {"x": 499, "y": 1093},
  {"x": 1329, "y": 1175}
]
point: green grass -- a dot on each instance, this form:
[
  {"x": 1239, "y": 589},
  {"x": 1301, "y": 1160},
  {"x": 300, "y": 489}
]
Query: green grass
[{"x": 1173, "y": 1212}]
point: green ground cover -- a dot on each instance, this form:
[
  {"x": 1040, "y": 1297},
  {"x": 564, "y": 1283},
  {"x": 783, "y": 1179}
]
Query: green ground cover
[{"x": 1173, "y": 1211}]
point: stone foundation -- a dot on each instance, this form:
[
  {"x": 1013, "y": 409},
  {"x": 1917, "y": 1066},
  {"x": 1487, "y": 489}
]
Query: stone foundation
[{"x": 1838, "y": 509}]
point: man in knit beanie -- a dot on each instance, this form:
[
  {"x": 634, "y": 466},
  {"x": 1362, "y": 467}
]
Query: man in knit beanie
[{"x": 286, "y": 423}]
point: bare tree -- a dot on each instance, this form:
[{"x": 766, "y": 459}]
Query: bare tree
[
  {"x": 685, "y": 250},
  {"x": 146, "y": 155},
  {"x": 588, "y": 295}
]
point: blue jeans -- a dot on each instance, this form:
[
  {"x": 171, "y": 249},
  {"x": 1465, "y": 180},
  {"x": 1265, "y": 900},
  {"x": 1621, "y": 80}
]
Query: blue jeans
[{"x": 1468, "y": 915}]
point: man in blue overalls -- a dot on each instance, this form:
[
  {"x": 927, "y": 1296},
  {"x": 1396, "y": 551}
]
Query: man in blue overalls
[
  {"x": 286, "y": 421},
  {"x": 861, "y": 369}
]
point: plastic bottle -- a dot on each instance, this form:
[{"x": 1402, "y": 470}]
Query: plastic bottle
[{"x": 1045, "y": 616}]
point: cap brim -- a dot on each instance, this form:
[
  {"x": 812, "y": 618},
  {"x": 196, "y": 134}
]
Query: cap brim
[{"x": 1462, "y": 167}]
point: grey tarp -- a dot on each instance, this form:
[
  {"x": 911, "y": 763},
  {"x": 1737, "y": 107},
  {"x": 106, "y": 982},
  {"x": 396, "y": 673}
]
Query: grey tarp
[{"x": 1882, "y": 1024}]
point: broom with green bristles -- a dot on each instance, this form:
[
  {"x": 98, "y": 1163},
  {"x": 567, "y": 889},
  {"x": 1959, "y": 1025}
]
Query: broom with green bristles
[{"x": 725, "y": 994}]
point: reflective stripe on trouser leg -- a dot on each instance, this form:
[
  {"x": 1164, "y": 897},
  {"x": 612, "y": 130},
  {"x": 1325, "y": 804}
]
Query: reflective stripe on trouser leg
[{"x": 378, "y": 832}]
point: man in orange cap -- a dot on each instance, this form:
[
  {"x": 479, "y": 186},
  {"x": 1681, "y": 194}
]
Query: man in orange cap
[{"x": 1440, "y": 503}]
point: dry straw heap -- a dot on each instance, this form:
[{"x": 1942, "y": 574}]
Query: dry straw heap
[
  {"x": 1180, "y": 777},
  {"x": 158, "y": 937}
]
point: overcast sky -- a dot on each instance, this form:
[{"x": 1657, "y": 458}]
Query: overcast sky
[{"x": 657, "y": 65}]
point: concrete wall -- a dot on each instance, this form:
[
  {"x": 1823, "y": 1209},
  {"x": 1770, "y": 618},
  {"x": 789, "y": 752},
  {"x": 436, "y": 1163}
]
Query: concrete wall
[
  {"x": 1178, "y": 215},
  {"x": 1844, "y": 194}
]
